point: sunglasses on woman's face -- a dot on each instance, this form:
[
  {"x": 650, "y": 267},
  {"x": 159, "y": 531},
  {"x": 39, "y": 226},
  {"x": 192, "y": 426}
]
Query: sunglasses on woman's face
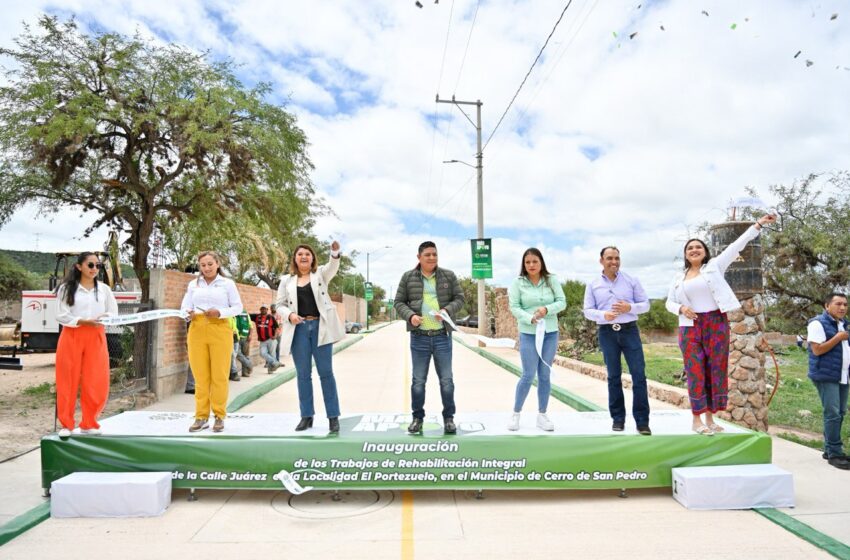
[{"x": 94, "y": 265}]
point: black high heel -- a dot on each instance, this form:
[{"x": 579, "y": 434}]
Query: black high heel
[
  {"x": 306, "y": 422},
  {"x": 333, "y": 425}
]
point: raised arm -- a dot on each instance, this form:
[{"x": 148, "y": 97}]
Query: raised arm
[{"x": 730, "y": 253}]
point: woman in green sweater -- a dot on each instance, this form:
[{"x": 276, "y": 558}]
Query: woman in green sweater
[{"x": 534, "y": 297}]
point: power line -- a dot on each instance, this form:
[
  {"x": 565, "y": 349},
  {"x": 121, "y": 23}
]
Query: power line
[
  {"x": 528, "y": 73},
  {"x": 468, "y": 39},
  {"x": 558, "y": 59},
  {"x": 445, "y": 46},
  {"x": 437, "y": 108},
  {"x": 443, "y": 205}
]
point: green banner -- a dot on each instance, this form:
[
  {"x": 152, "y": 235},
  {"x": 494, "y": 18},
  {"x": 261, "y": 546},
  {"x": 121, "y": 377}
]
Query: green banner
[
  {"x": 369, "y": 294},
  {"x": 373, "y": 452},
  {"x": 482, "y": 258}
]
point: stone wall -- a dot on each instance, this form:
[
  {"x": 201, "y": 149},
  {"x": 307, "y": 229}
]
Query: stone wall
[
  {"x": 677, "y": 396},
  {"x": 506, "y": 326},
  {"x": 747, "y": 346},
  {"x": 170, "y": 356},
  {"x": 354, "y": 309}
]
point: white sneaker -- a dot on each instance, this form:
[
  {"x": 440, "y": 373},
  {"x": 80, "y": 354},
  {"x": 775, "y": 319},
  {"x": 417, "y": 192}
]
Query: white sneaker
[
  {"x": 544, "y": 423},
  {"x": 91, "y": 431},
  {"x": 64, "y": 432},
  {"x": 513, "y": 425}
]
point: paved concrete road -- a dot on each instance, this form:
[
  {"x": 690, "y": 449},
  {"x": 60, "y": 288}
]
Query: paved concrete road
[{"x": 373, "y": 375}]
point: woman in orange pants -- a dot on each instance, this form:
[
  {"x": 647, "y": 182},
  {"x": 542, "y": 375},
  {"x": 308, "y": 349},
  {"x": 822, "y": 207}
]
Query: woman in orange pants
[
  {"x": 82, "y": 360},
  {"x": 210, "y": 301}
]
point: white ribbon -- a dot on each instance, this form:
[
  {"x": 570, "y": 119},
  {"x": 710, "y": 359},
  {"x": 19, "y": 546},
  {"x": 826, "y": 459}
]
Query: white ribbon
[
  {"x": 290, "y": 483},
  {"x": 494, "y": 342},
  {"x": 749, "y": 201},
  {"x": 539, "y": 334},
  {"x": 141, "y": 317}
]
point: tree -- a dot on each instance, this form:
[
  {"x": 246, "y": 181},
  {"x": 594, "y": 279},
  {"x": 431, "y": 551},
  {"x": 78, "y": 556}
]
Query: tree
[
  {"x": 378, "y": 296},
  {"x": 658, "y": 318},
  {"x": 140, "y": 134},
  {"x": 469, "y": 287},
  {"x": 14, "y": 279},
  {"x": 805, "y": 254},
  {"x": 572, "y": 321}
]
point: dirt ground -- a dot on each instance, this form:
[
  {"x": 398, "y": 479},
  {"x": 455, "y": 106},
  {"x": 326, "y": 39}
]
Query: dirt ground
[{"x": 27, "y": 404}]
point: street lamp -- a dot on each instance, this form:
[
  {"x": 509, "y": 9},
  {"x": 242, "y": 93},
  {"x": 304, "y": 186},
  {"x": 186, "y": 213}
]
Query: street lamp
[
  {"x": 458, "y": 161},
  {"x": 482, "y": 305},
  {"x": 367, "y": 279}
]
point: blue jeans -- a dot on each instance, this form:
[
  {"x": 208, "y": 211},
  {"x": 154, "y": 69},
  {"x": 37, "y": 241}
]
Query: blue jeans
[
  {"x": 422, "y": 348},
  {"x": 532, "y": 365},
  {"x": 305, "y": 348},
  {"x": 239, "y": 358},
  {"x": 234, "y": 364},
  {"x": 625, "y": 342},
  {"x": 834, "y": 398},
  {"x": 267, "y": 349}
]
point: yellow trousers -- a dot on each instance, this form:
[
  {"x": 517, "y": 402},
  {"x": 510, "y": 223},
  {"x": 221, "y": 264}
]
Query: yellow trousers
[{"x": 210, "y": 348}]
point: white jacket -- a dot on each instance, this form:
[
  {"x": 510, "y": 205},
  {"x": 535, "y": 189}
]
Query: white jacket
[
  {"x": 331, "y": 328},
  {"x": 713, "y": 272}
]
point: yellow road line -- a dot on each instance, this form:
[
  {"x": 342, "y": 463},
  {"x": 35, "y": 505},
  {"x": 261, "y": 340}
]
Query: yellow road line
[
  {"x": 406, "y": 525},
  {"x": 407, "y": 495}
]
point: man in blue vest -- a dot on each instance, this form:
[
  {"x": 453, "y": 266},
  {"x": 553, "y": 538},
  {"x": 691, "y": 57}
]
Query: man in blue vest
[{"x": 829, "y": 367}]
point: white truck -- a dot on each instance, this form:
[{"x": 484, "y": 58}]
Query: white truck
[{"x": 39, "y": 329}]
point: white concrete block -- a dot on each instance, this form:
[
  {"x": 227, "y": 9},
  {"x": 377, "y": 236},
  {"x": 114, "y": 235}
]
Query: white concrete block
[
  {"x": 105, "y": 494},
  {"x": 733, "y": 487}
]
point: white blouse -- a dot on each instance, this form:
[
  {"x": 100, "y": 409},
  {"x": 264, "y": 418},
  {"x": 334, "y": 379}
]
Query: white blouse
[
  {"x": 219, "y": 294},
  {"x": 699, "y": 294},
  {"x": 88, "y": 304}
]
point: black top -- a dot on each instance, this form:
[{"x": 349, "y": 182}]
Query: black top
[{"x": 307, "y": 302}]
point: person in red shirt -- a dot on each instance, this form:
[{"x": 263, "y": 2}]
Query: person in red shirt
[{"x": 267, "y": 329}]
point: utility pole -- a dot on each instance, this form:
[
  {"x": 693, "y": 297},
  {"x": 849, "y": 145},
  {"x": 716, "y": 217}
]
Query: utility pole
[
  {"x": 479, "y": 156},
  {"x": 364, "y": 291}
]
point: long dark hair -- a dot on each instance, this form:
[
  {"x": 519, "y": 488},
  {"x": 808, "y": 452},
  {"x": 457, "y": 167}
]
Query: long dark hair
[
  {"x": 704, "y": 246},
  {"x": 544, "y": 272},
  {"x": 72, "y": 279}
]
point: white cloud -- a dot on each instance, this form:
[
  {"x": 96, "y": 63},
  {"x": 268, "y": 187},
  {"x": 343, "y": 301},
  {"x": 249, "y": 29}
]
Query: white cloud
[{"x": 683, "y": 118}]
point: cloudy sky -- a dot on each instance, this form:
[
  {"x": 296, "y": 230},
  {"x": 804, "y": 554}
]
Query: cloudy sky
[{"x": 639, "y": 121}]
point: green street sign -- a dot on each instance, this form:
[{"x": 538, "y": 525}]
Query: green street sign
[
  {"x": 482, "y": 258},
  {"x": 368, "y": 287}
]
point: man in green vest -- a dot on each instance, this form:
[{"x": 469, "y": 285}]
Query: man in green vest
[{"x": 243, "y": 350}]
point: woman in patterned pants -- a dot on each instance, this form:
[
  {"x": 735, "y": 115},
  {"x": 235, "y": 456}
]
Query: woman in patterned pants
[{"x": 701, "y": 298}]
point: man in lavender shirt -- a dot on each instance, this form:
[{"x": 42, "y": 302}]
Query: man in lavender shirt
[{"x": 614, "y": 300}]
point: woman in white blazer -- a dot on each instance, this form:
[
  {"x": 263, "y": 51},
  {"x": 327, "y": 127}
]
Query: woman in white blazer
[
  {"x": 701, "y": 298},
  {"x": 310, "y": 327}
]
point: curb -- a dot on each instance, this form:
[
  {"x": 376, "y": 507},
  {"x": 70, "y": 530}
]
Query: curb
[
  {"x": 24, "y": 522},
  {"x": 570, "y": 399},
  {"x": 813, "y": 536},
  {"x": 787, "y": 522},
  {"x": 29, "y": 519},
  {"x": 247, "y": 397}
]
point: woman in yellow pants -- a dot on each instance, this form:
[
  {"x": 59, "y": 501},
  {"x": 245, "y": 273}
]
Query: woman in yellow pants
[{"x": 210, "y": 300}]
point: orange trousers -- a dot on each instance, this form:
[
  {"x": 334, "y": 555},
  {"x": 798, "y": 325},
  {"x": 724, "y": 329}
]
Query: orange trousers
[
  {"x": 82, "y": 364},
  {"x": 210, "y": 351}
]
